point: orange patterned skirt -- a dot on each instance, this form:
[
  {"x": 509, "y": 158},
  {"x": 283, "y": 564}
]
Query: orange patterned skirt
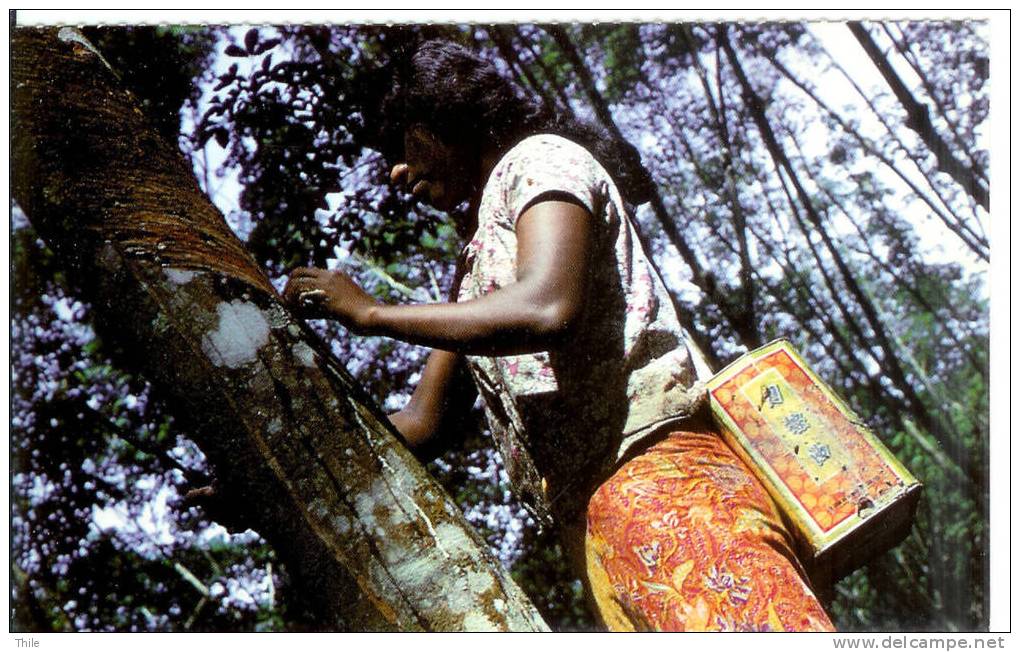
[{"x": 684, "y": 538}]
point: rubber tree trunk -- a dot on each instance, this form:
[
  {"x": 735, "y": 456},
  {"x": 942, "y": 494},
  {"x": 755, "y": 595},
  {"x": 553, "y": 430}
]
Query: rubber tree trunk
[{"x": 302, "y": 453}]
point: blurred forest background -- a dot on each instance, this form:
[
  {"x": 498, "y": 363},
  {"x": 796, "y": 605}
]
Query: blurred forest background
[{"x": 826, "y": 183}]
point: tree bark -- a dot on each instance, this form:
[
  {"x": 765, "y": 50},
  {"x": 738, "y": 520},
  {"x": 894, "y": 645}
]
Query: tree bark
[{"x": 301, "y": 452}]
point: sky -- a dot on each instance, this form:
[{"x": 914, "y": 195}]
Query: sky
[{"x": 839, "y": 93}]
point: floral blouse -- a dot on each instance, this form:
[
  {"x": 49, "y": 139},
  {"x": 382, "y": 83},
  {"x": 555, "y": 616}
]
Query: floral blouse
[{"x": 563, "y": 419}]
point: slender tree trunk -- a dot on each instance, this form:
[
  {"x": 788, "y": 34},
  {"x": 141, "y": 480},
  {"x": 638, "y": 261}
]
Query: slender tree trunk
[
  {"x": 502, "y": 36},
  {"x": 919, "y": 120},
  {"x": 743, "y": 324},
  {"x": 750, "y": 338},
  {"x": 910, "y": 287},
  {"x": 908, "y": 56},
  {"x": 302, "y": 454},
  {"x": 956, "y": 225},
  {"x": 889, "y": 362},
  {"x": 549, "y": 75},
  {"x": 746, "y": 289},
  {"x": 916, "y": 156}
]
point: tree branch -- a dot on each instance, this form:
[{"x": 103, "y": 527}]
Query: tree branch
[{"x": 919, "y": 120}]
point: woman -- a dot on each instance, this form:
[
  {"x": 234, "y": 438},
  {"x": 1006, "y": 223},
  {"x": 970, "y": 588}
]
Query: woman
[{"x": 575, "y": 347}]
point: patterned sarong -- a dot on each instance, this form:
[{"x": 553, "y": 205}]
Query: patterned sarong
[{"x": 684, "y": 538}]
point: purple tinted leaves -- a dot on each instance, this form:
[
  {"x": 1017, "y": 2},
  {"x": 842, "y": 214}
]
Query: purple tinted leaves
[
  {"x": 235, "y": 51},
  {"x": 251, "y": 40}
]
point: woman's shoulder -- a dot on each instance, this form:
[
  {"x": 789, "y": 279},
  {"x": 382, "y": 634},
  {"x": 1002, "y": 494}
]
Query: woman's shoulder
[
  {"x": 549, "y": 155},
  {"x": 547, "y": 163},
  {"x": 548, "y": 145}
]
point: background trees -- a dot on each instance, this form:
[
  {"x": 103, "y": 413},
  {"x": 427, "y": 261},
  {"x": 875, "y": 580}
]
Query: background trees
[{"x": 802, "y": 191}]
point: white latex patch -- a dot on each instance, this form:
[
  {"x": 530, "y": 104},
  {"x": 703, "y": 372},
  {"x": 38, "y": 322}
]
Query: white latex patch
[
  {"x": 179, "y": 276},
  {"x": 72, "y": 35},
  {"x": 241, "y": 332},
  {"x": 305, "y": 354}
]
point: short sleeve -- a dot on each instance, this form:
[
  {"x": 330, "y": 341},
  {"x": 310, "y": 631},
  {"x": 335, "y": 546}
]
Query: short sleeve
[{"x": 549, "y": 164}]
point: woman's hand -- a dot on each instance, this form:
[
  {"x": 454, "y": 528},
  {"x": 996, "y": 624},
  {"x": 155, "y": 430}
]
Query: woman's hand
[
  {"x": 402, "y": 176},
  {"x": 321, "y": 293}
]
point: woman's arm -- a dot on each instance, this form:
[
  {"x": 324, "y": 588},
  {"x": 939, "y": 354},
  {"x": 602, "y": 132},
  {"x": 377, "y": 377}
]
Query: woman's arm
[
  {"x": 441, "y": 393},
  {"x": 554, "y": 246}
]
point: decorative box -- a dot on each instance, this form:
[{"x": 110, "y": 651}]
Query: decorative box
[{"x": 843, "y": 494}]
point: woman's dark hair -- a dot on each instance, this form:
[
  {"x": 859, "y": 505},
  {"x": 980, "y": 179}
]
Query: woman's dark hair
[{"x": 460, "y": 96}]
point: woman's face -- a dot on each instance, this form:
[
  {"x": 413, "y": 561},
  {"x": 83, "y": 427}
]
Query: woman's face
[{"x": 440, "y": 174}]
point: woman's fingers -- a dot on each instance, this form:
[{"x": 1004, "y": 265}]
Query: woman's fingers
[
  {"x": 305, "y": 294},
  {"x": 290, "y": 291},
  {"x": 399, "y": 173},
  {"x": 320, "y": 293},
  {"x": 305, "y": 272},
  {"x": 310, "y": 298},
  {"x": 301, "y": 280},
  {"x": 420, "y": 188},
  {"x": 402, "y": 175}
]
